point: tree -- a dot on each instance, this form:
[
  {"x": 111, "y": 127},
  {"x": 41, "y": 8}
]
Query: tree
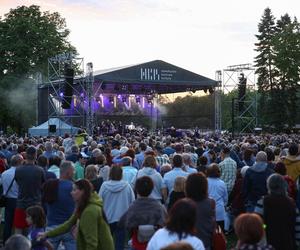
[
  {"x": 287, "y": 61},
  {"x": 28, "y": 37},
  {"x": 264, "y": 62},
  {"x": 278, "y": 64}
]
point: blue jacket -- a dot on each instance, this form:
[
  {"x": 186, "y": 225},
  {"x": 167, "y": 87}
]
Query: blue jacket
[
  {"x": 117, "y": 197},
  {"x": 255, "y": 181}
]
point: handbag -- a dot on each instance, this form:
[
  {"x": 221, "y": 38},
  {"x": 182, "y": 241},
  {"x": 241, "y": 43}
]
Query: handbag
[
  {"x": 218, "y": 239},
  {"x": 3, "y": 196}
]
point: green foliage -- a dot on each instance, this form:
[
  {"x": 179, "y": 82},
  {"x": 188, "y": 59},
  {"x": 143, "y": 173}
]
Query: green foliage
[
  {"x": 190, "y": 111},
  {"x": 28, "y": 37},
  {"x": 278, "y": 63}
]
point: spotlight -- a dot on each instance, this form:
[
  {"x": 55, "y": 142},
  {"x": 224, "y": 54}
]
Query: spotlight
[{"x": 61, "y": 94}]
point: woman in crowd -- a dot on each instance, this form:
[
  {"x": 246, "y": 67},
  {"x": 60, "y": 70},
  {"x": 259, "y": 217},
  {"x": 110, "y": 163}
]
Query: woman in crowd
[
  {"x": 159, "y": 191},
  {"x": 117, "y": 196},
  {"x": 279, "y": 213},
  {"x": 180, "y": 226},
  {"x": 218, "y": 192},
  {"x": 197, "y": 189},
  {"x": 93, "y": 177},
  {"x": 249, "y": 229},
  {"x": 92, "y": 231}
]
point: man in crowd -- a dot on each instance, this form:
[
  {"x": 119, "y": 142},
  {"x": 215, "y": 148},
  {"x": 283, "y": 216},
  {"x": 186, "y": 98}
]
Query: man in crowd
[
  {"x": 29, "y": 178},
  {"x": 10, "y": 190}
]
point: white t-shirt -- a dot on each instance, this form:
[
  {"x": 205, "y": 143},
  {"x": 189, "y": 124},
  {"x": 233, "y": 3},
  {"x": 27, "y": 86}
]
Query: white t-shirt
[{"x": 163, "y": 237}]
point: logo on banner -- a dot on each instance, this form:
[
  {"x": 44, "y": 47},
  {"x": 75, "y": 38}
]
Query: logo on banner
[{"x": 152, "y": 74}]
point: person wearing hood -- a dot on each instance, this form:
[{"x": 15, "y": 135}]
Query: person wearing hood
[
  {"x": 292, "y": 162},
  {"x": 117, "y": 195},
  {"x": 254, "y": 185},
  {"x": 91, "y": 230},
  {"x": 159, "y": 191}
]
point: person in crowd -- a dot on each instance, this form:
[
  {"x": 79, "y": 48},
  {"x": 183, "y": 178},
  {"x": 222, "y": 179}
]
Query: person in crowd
[
  {"x": 178, "y": 191},
  {"x": 129, "y": 172},
  {"x": 291, "y": 185},
  {"x": 254, "y": 184},
  {"x": 202, "y": 164},
  {"x": 140, "y": 156},
  {"x": 165, "y": 169},
  {"x": 143, "y": 211},
  {"x": 279, "y": 214},
  {"x": 248, "y": 157},
  {"x": 161, "y": 158},
  {"x": 30, "y": 179},
  {"x": 131, "y": 153},
  {"x": 196, "y": 188},
  {"x": 218, "y": 192},
  {"x": 270, "y": 158},
  {"x": 91, "y": 174},
  {"x": 54, "y": 163},
  {"x": 177, "y": 170},
  {"x": 60, "y": 205},
  {"x": 117, "y": 195},
  {"x": 79, "y": 166},
  {"x": 18, "y": 242},
  {"x": 11, "y": 191},
  {"x": 292, "y": 162},
  {"x": 42, "y": 162},
  {"x": 159, "y": 191},
  {"x": 180, "y": 226},
  {"x": 249, "y": 229},
  {"x": 49, "y": 152},
  {"x": 188, "y": 165},
  {"x": 168, "y": 149},
  {"x": 228, "y": 169},
  {"x": 74, "y": 154},
  {"x": 91, "y": 230},
  {"x": 36, "y": 220}
]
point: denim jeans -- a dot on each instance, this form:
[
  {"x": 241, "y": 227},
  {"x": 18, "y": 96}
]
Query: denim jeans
[
  {"x": 9, "y": 217},
  {"x": 118, "y": 234},
  {"x": 66, "y": 239}
]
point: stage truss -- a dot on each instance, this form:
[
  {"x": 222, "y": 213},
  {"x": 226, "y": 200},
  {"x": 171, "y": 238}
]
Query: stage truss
[
  {"x": 245, "y": 120},
  {"x": 56, "y": 83}
]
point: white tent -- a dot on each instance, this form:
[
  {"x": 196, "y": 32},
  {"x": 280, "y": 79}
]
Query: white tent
[{"x": 60, "y": 127}]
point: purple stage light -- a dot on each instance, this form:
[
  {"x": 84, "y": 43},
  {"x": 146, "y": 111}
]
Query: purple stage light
[{"x": 61, "y": 94}]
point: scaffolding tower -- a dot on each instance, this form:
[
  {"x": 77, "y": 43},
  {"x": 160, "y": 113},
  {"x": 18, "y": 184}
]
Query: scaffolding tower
[
  {"x": 243, "y": 120},
  {"x": 217, "y": 97},
  {"x": 56, "y": 83}
]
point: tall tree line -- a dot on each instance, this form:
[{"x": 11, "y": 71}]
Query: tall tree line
[{"x": 278, "y": 65}]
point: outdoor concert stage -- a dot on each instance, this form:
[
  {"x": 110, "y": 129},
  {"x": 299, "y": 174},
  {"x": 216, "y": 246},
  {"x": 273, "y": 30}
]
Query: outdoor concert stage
[{"x": 123, "y": 91}]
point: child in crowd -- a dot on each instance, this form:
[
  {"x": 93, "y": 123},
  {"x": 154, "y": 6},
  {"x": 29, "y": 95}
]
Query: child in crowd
[
  {"x": 178, "y": 191},
  {"x": 36, "y": 219}
]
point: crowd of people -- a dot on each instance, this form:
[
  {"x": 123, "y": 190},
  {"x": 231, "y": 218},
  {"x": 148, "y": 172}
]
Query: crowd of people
[{"x": 150, "y": 191}]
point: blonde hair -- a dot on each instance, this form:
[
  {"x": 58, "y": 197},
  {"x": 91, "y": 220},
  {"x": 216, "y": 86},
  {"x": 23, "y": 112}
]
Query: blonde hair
[
  {"x": 179, "y": 184},
  {"x": 91, "y": 172}
]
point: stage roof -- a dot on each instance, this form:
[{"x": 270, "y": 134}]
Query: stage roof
[{"x": 155, "y": 76}]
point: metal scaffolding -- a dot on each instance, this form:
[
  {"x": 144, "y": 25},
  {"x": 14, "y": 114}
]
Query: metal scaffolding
[
  {"x": 245, "y": 119},
  {"x": 217, "y": 97},
  {"x": 56, "y": 83},
  {"x": 90, "y": 97}
]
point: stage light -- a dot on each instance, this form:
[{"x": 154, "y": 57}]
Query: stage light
[
  {"x": 61, "y": 94},
  {"x": 82, "y": 94}
]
